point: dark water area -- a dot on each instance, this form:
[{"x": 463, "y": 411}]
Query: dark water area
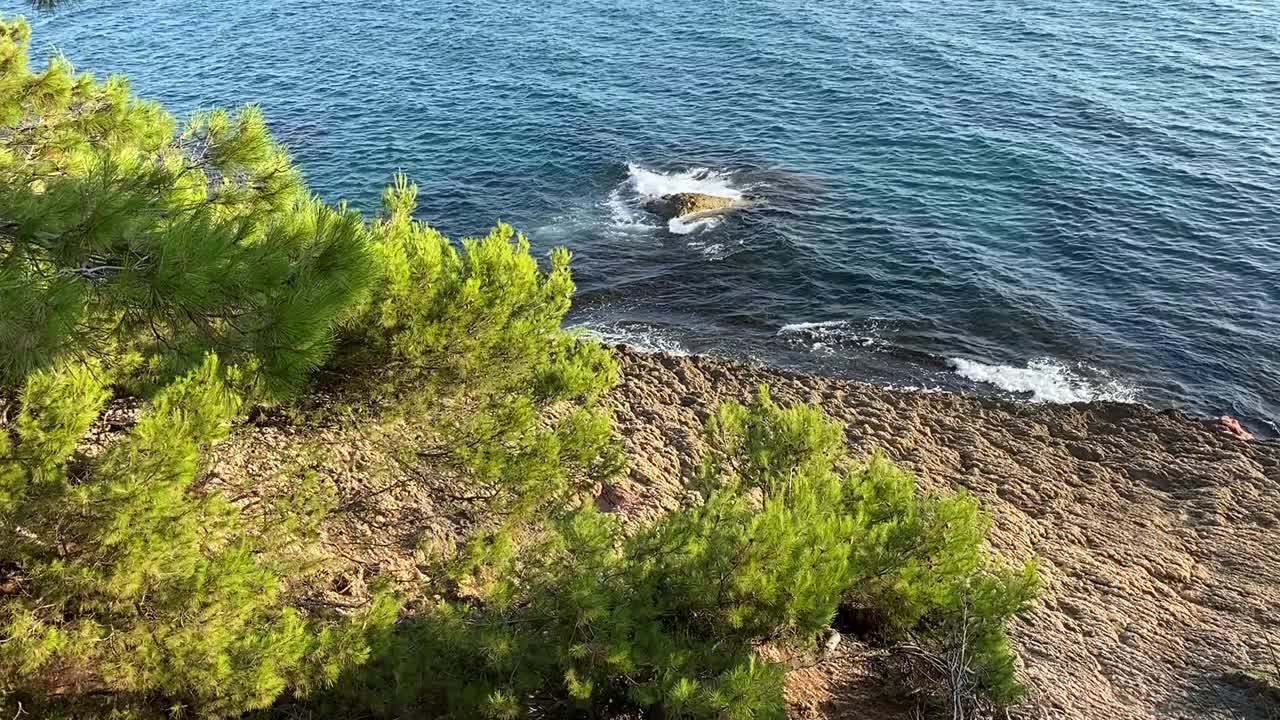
[{"x": 1049, "y": 200}]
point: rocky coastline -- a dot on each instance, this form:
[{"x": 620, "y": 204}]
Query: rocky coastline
[{"x": 1156, "y": 531}]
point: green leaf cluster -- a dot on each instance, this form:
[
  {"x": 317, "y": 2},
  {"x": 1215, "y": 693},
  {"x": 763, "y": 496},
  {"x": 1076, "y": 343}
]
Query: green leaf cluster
[{"x": 462, "y": 348}]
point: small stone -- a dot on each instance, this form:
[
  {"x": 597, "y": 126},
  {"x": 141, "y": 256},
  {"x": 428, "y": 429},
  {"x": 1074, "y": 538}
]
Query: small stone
[{"x": 831, "y": 643}]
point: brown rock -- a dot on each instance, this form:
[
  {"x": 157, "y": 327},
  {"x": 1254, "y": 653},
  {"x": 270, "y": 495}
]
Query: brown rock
[
  {"x": 617, "y": 498},
  {"x": 681, "y": 204}
]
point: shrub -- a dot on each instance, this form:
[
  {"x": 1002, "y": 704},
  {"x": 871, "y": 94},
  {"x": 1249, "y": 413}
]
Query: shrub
[
  {"x": 570, "y": 629},
  {"x": 132, "y": 580},
  {"x": 914, "y": 562},
  {"x": 587, "y": 622},
  {"x": 461, "y": 349}
]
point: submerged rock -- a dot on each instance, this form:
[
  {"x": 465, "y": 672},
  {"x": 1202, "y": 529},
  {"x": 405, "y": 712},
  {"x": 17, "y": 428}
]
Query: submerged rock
[{"x": 680, "y": 204}]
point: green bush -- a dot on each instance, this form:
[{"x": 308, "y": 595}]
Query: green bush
[
  {"x": 136, "y": 583},
  {"x": 573, "y": 627},
  {"x": 923, "y": 573},
  {"x": 588, "y": 622},
  {"x": 461, "y": 349},
  {"x": 915, "y": 563}
]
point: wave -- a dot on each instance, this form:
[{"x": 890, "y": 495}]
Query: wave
[
  {"x": 1042, "y": 380},
  {"x": 651, "y": 183},
  {"x": 827, "y": 335},
  {"x": 1047, "y": 380},
  {"x": 625, "y": 212},
  {"x": 681, "y": 226},
  {"x": 625, "y": 202},
  {"x": 640, "y": 336}
]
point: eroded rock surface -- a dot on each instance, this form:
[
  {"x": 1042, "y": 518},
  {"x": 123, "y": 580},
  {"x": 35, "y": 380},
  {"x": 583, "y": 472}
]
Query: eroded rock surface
[
  {"x": 678, "y": 205},
  {"x": 1158, "y": 535}
]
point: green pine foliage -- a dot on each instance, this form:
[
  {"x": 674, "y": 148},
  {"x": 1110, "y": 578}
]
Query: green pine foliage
[
  {"x": 462, "y": 348},
  {"x": 575, "y": 626},
  {"x": 831, "y": 533},
  {"x": 130, "y": 251},
  {"x": 124, "y": 235},
  {"x": 445, "y": 315},
  {"x": 589, "y": 622},
  {"x": 135, "y": 585},
  {"x": 923, "y": 573}
]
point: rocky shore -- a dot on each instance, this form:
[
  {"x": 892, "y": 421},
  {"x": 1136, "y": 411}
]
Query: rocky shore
[{"x": 1158, "y": 535}]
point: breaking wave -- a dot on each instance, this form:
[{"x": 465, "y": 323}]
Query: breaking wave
[
  {"x": 1047, "y": 380},
  {"x": 641, "y": 336},
  {"x": 625, "y": 201}
]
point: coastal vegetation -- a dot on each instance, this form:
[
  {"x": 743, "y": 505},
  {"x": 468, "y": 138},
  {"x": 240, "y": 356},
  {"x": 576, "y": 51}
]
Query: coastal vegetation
[{"x": 164, "y": 284}]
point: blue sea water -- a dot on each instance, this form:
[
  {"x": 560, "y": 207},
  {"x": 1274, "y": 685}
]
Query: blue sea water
[{"x": 1046, "y": 199}]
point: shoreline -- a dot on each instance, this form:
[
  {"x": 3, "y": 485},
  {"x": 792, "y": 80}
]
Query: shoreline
[
  {"x": 996, "y": 400},
  {"x": 1038, "y": 380},
  {"x": 1155, "y": 531}
]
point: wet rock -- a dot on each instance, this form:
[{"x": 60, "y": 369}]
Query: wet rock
[{"x": 681, "y": 204}]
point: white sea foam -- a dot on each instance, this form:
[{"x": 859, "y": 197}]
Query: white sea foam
[
  {"x": 625, "y": 213},
  {"x": 801, "y": 327},
  {"x": 687, "y": 226},
  {"x": 643, "y": 337},
  {"x": 921, "y": 389},
  {"x": 651, "y": 183},
  {"x": 1047, "y": 380},
  {"x": 823, "y": 337}
]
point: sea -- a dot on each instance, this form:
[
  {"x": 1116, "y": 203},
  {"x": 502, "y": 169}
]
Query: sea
[{"x": 1046, "y": 200}]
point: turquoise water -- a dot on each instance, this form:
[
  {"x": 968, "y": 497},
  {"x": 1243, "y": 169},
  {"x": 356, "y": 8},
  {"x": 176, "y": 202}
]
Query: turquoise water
[{"x": 1045, "y": 199}]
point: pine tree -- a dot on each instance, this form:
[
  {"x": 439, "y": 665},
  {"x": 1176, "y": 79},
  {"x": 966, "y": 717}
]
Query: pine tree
[
  {"x": 461, "y": 348},
  {"x": 133, "y": 583},
  {"x": 122, "y": 235},
  {"x": 130, "y": 251}
]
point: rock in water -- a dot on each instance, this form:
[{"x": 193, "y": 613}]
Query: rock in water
[{"x": 681, "y": 204}]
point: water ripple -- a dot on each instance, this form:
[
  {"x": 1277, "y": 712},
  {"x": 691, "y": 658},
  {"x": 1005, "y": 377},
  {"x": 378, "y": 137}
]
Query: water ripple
[{"x": 1058, "y": 199}]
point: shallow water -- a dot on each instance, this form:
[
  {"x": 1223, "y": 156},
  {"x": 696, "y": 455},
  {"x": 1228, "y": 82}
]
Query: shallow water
[{"x": 1055, "y": 200}]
